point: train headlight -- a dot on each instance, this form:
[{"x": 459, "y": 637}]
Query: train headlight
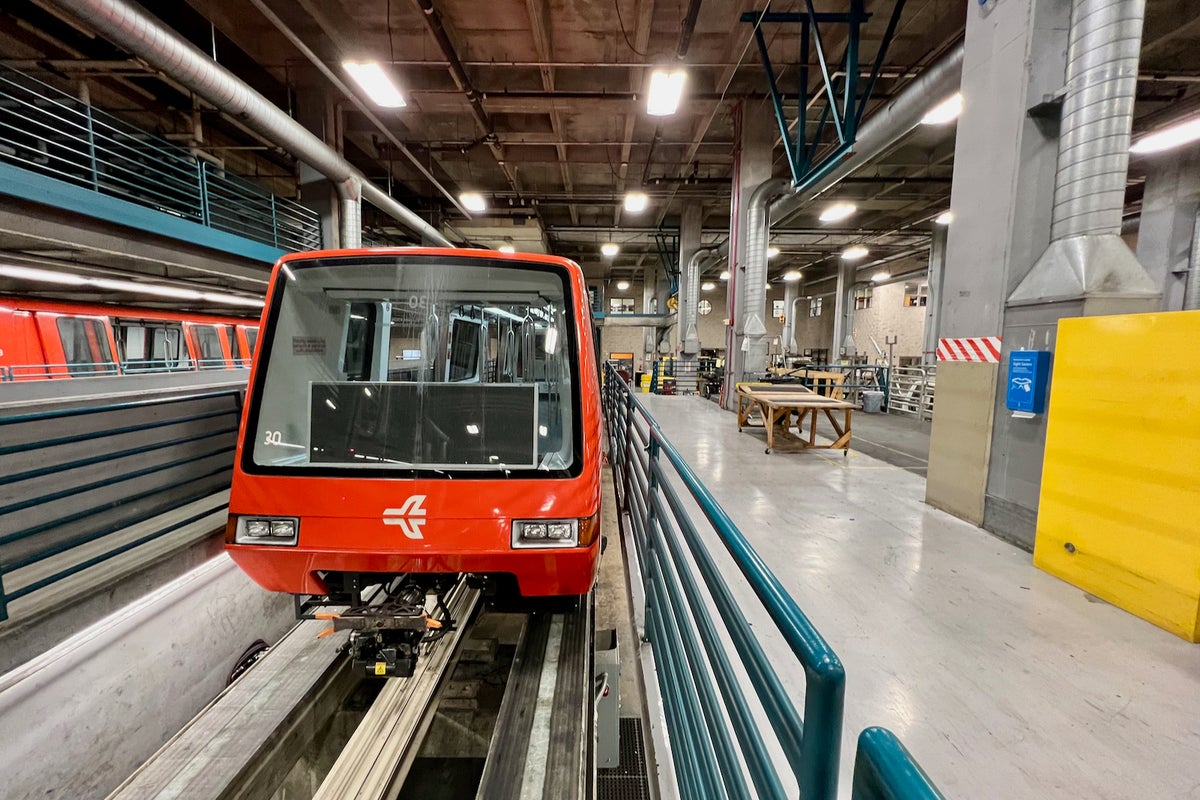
[
  {"x": 267, "y": 530},
  {"x": 545, "y": 533}
]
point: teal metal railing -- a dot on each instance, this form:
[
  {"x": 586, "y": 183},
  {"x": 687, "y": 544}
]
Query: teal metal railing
[
  {"x": 47, "y": 131},
  {"x": 885, "y": 770},
  {"x": 699, "y": 686},
  {"x": 712, "y": 726}
]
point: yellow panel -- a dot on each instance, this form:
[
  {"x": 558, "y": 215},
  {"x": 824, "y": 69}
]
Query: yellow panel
[{"x": 1119, "y": 514}]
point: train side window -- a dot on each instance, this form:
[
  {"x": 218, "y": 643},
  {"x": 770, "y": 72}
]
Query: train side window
[
  {"x": 464, "y": 350},
  {"x": 356, "y": 360},
  {"x": 231, "y": 341},
  {"x": 85, "y": 345},
  {"x": 208, "y": 346},
  {"x": 166, "y": 348},
  {"x": 251, "y": 340}
]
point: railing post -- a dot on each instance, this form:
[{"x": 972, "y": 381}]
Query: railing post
[
  {"x": 91, "y": 141},
  {"x": 3, "y": 600},
  {"x": 202, "y": 184},
  {"x": 274, "y": 223}
]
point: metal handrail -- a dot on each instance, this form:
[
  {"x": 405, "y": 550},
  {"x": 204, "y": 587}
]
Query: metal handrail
[
  {"x": 879, "y": 378},
  {"x": 706, "y": 707},
  {"x": 102, "y": 369},
  {"x": 911, "y": 391},
  {"x": 50, "y": 132},
  {"x": 704, "y": 759},
  {"x": 885, "y": 770}
]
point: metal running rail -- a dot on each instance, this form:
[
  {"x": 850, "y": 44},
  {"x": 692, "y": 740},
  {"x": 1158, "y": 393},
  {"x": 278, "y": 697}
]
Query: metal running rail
[
  {"x": 706, "y": 707},
  {"x": 54, "y": 134}
]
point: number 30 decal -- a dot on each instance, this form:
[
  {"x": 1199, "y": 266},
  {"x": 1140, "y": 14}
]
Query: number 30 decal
[{"x": 273, "y": 437}]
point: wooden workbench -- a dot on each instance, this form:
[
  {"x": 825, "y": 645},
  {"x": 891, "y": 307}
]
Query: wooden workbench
[{"x": 776, "y": 403}]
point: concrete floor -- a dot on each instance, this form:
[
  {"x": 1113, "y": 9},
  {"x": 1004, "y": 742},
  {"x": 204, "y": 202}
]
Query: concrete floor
[
  {"x": 1002, "y": 680},
  {"x": 900, "y": 441}
]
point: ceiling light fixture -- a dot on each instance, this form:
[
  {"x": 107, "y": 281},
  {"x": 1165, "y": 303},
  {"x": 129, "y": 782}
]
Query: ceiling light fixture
[
  {"x": 792, "y": 275},
  {"x": 610, "y": 249},
  {"x": 635, "y": 202},
  {"x": 854, "y": 252},
  {"x": 622, "y": 285},
  {"x": 666, "y": 89},
  {"x": 1176, "y": 135},
  {"x": 772, "y": 252},
  {"x": 724, "y": 275},
  {"x": 376, "y": 83},
  {"x": 707, "y": 286},
  {"x": 945, "y": 111},
  {"x": 838, "y": 212},
  {"x": 882, "y": 275},
  {"x": 944, "y": 218},
  {"x": 473, "y": 201},
  {"x": 132, "y": 287}
]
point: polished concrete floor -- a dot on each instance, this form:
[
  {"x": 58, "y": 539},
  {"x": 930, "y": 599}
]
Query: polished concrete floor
[{"x": 1003, "y": 681}]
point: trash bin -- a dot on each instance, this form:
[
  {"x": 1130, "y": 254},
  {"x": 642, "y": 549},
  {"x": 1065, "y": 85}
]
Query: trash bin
[{"x": 872, "y": 402}]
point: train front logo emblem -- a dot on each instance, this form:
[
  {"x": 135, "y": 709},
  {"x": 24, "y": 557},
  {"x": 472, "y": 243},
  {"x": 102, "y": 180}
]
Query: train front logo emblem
[{"x": 410, "y": 516}]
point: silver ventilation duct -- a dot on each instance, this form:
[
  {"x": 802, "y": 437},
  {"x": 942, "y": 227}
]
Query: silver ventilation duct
[
  {"x": 1191, "y": 290},
  {"x": 884, "y": 128},
  {"x": 690, "y": 338},
  {"x": 130, "y": 28},
  {"x": 754, "y": 297},
  {"x": 790, "y": 292},
  {"x": 1087, "y": 257}
]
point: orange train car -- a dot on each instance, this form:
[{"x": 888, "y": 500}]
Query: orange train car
[
  {"x": 417, "y": 414},
  {"x": 42, "y": 339}
]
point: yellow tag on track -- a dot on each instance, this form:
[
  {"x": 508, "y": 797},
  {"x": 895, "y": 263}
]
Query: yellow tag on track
[{"x": 380, "y": 668}]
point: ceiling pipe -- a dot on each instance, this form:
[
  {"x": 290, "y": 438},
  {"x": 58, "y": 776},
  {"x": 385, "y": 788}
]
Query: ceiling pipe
[
  {"x": 132, "y": 29},
  {"x": 882, "y": 129},
  {"x": 341, "y": 86},
  {"x": 433, "y": 22},
  {"x": 689, "y": 27}
]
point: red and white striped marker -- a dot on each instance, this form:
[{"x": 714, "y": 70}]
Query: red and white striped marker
[{"x": 984, "y": 348}]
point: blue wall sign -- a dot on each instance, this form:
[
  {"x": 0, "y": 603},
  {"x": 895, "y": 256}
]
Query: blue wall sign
[{"x": 1028, "y": 376}]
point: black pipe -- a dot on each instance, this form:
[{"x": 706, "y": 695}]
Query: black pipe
[{"x": 689, "y": 26}]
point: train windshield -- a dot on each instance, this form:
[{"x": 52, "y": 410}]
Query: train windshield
[{"x": 406, "y": 363}]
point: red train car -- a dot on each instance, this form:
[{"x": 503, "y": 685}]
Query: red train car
[
  {"x": 48, "y": 339},
  {"x": 415, "y": 414}
]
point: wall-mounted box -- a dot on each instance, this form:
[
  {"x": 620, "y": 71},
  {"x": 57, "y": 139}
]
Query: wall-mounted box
[{"x": 1028, "y": 376}]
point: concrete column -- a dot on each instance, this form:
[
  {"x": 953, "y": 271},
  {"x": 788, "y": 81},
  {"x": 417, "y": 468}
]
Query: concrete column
[
  {"x": 687, "y": 337},
  {"x": 753, "y": 162},
  {"x": 317, "y": 112},
  {"x": 1004, "y": 164},
  {"x": 1169, "y": 209},
  {"x": 937, "y": 271}
]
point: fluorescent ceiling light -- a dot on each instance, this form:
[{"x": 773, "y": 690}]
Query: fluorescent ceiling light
[
  {"x": 708, "y": 286},
  {"x": 666, "y": 89},
  {"x": 622, "y": 285},
  {"x": 610, "y": 249},
  {"x": 507, "y": 248},
  {"x": 945, "y": 111},
  {"x": 944, "y": 218},
  {"x": 772, "y": 252},
  {"x": 119, "y": 285},
  {"x": 724, "y": 275},
  {"x": 1168, "y": 138},
  {"x": 473, "y": 201},
  {"x": 838, "y": 212},
  {"x": 376, "y": 83},
  {"x": 854, "y": 253},
  {"x": 882, "y": 275},
  {"x": 636, "y": 202},
  {"x": 42, "y": 276},
  {"x": 792, "y": 275}
]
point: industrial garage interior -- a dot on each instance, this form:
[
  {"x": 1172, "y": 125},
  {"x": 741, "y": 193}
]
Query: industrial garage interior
[{"x": 600, "y": 399}]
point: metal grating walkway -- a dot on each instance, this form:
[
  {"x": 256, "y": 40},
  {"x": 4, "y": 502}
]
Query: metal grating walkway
[{"x": 628, "y": 780}]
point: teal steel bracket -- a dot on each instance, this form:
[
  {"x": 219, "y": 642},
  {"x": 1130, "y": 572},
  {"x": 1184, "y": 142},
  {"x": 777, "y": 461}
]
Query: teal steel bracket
[{"x": 843, "y": 95}]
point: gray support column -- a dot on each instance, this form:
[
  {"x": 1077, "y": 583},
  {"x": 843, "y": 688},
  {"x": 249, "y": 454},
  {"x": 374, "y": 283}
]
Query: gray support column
[
  {"x": 1165, "y": 231},
  {"x": 1002, "y": 197},
  {"x": 649, "y": 306},
  {"x": 753, "y": 163},
  {"x": 937, "y": 271}
]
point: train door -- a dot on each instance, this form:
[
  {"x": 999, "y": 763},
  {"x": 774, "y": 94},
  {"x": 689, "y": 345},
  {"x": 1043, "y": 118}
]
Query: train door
[
  {"x": 76, "y": 346},
  {"x": 150, "y": 346},
  {"x": 247, "y": 338}
]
